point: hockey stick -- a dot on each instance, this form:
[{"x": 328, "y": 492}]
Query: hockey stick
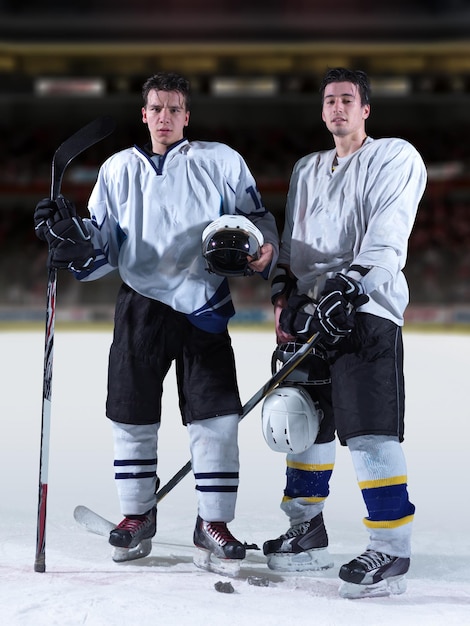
[
  {"x": 269, "y": 386},
  {"x": 73, "y": 146}
]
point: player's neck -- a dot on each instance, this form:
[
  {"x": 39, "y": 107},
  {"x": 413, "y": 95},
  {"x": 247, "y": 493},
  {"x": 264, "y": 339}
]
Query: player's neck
[{"x": 349, "y": 144}]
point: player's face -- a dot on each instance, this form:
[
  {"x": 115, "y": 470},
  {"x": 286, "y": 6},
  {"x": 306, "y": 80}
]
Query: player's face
[
  {"x": 342, "y": 110},
  {"x": 166, "y": 116}
]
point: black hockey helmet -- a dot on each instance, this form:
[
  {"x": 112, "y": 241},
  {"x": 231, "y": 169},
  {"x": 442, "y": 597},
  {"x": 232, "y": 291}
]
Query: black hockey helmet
[
  {"x": 312, "y": 370},
  {"x": 227, "y": 242}
]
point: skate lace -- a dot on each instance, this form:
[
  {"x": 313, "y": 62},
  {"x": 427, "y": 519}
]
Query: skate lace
[
  {"x": 133, "y": 525},
  {"x": 373, "y": 559},
  {"x": 295, "y": 531},
  {"x": 219, "y": 533}
]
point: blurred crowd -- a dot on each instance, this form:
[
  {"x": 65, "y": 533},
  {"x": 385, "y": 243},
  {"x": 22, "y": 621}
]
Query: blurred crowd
[{"x": 438, "y": 266}]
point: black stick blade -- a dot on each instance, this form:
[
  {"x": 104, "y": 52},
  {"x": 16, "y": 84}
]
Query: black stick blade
[{"x": 84, "y": 138}]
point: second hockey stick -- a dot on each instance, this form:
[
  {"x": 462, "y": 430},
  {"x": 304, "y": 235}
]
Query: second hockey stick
[
  {"x": 73, "y": 146},
  {"x": 269, "y": 386}
]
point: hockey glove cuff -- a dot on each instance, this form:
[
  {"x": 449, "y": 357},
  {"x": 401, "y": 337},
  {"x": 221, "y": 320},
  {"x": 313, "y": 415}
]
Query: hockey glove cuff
[
  {"x": 282, "y": 284},
  {"x": 351, "y": 289}
]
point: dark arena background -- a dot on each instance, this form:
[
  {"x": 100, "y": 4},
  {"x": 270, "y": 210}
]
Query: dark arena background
[{"x": 255, "y": 69}]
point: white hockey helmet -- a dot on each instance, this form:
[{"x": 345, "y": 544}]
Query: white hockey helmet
[
  {"x": 227, "y": 242},
  {"x": 312, "y": 370},
  {"x": 290, "y": 420}
]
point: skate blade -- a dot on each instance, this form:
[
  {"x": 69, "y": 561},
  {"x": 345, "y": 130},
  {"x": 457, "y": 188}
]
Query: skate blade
[
  {"x": 395, "y": 585},
  {"x": 204, "y": 559},
  {"x": 120, "y": 555},
  {"x": 308, "y": 561}
]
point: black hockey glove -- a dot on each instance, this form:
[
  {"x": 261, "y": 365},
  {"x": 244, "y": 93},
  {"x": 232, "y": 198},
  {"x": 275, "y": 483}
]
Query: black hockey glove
[
  {"x": 352, "y": 291},
  {"x": 333, "y": 316},
  {"x": 44, "y": 210},
  {"x": 335, "y": 312},
  {"x": 301, "y": 318},
  {"x": 295, "y": 320},
  {"x": 70, "y": 245}
]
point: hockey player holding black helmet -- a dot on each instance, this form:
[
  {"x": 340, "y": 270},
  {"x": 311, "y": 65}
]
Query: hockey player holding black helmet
[{"x": 148, "y": 211}]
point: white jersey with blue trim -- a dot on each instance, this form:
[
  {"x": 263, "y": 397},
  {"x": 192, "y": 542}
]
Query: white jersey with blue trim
[
  {"x": 357, "y": 210},
  {"x": 147, "y": 218}
]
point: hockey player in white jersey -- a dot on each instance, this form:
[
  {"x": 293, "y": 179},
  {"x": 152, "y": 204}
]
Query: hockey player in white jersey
[
  {"x": 149, "y": 210},
  {"x": 349, "y": 214}
]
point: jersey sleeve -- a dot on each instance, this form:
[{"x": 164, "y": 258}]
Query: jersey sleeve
[
  {"x": 104, "y": 229},
  {"x": 248, "y": 202},
  {"x": 395, "y": 183}
]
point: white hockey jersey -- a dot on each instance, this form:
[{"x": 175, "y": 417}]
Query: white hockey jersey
[
  {"x": 148, "y": 214},
  {"x": 359, "y": 212}
]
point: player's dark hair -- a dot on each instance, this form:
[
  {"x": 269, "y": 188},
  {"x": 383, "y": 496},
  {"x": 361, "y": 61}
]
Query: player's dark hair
[
  {"x": 343, "y": 75},
  {"x": 167, "y": 81}
]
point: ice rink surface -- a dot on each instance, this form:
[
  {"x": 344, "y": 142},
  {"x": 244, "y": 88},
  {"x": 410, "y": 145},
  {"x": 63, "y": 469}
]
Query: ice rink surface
[{"x": 82, "y": 585}]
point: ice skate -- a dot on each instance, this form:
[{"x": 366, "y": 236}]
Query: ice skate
[
  {"x": 302, "y": 548},
  {"x": 373, "y": 574},
  {"x": 132, "y": 538},
  {"x": 217, "y": 549}
]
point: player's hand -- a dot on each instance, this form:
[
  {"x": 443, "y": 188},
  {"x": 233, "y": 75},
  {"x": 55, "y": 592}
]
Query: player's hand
[
  {"x": 264, "y": 259},
  {"x": 70, "y": 245},
  {"x": 334, "y": 315},
  {"x": 281, "y": 336},
  {"x": 296, "y": 319}
]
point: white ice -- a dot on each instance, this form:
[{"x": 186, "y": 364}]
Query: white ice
[{"x": 82, "y": 585}]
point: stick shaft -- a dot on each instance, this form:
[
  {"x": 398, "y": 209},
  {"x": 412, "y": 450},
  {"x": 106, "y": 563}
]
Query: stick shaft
[
  {"x": 73, "y": 146},
  {"x": 40, "y": 560}
]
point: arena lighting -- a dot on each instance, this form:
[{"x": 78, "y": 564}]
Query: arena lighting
[
  {"x": 236, "y": 86},
  {"x": 393, "y": 86},
  {"x": 79, "y": 87}
]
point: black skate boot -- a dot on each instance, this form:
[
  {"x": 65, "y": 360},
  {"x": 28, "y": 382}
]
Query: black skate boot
[
  {"x": 132, "y": 538},
  {"x": 373, "y": 574},
  {"x": 218, "y": 550},
  {"x": 302, "y": 548}
]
